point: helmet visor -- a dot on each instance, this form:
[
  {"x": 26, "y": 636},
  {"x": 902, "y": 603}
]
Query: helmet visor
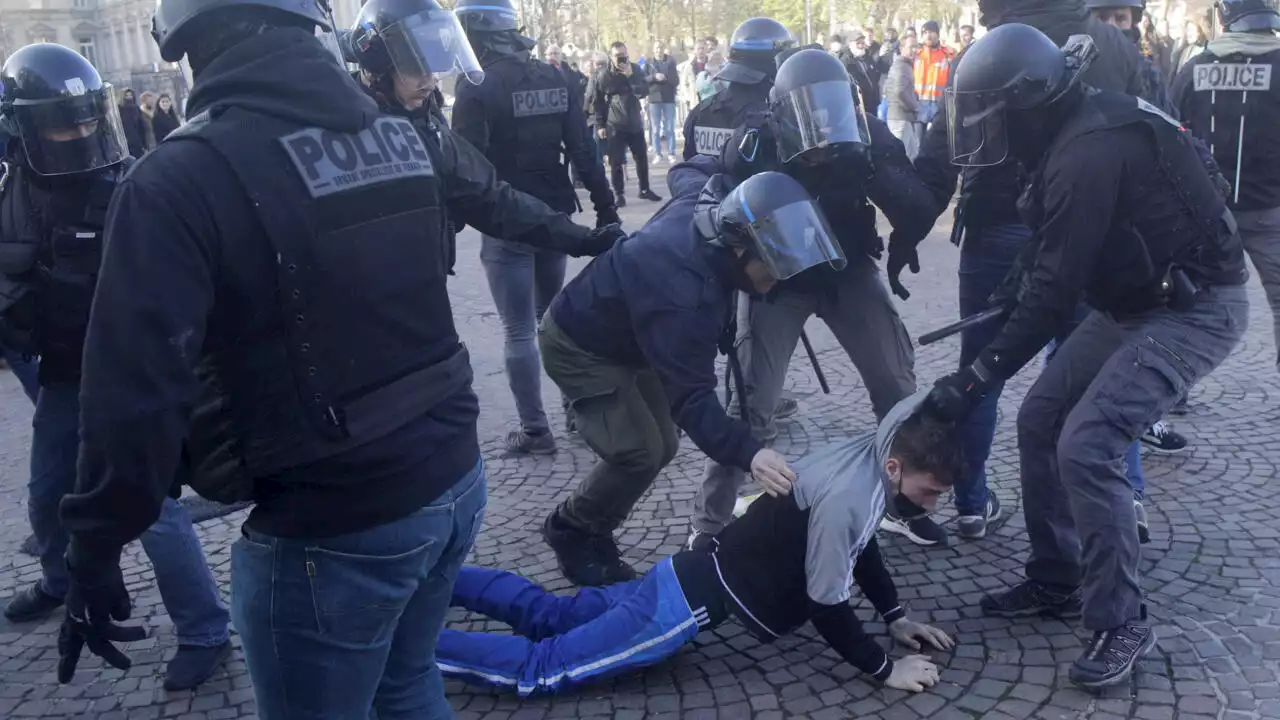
[
  {"x": 792, "y": 238},
  {"x": 72, "y": 134},
  {"x": 976, "y": 128},
  {"x": 432, "y": 43},
  {"x": 818, "y": 116}
]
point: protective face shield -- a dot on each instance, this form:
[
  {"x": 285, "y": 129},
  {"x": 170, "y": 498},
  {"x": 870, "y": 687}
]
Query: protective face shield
[
  {"x": 811, "y": 118},
  {"x": 431, "y": 42},
  {"x": 774, "y": 220},
  {"x": 68, "y": 135}
]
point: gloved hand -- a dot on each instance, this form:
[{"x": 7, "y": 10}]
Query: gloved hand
[
  {"x": 912, "y": 673},
  {"x": 910, "y": 633},
  {"x": 607, "y": 216},
  {"x": 901, "y": 255},
  {"x": 600, "y": 240},
  {"x": 95, "y": 602},
  {"x": 953, "y": 396}
]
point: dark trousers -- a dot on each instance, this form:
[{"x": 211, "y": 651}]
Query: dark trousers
[{"x": 619, "y": 143}]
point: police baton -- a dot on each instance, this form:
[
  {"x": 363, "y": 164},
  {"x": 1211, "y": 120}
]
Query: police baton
[
  {"x": 813, "y": 358},
  {"x": 961, "y": 325}
]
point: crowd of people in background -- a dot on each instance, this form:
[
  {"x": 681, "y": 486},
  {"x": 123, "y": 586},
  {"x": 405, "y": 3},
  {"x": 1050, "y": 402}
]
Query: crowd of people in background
[{"x": 147, "y": 119}]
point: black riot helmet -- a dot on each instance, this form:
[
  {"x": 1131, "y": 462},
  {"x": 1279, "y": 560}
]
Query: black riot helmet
[
  {"x": 412, "y": 38},
  {"x": 55, "y": 103},
  {"x": 1248, "y": 15},
  {"x": 771, "y": 218},
  {"x": 487, "y": 15},
  {"x": 1002, "y": 83},
  {"x": 1137, "y": 5},
  {"x": 752, "y": 49},
  {"x": 179, "y": 26},
  {"x": 812, "y": 108}
]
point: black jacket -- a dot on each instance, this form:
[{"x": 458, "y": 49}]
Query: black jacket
[
  {"x": 135, "y": 128},
  {"x": 662, "y": 91},
  {"x": 615, "y": 99},
  {"x": 164, "y": 123},
  {"x": 662, "y": 299},
  {"x": 182, "y": 228},
  {"x": 866, "y": 76}
]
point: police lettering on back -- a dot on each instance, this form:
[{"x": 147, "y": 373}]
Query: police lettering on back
[
  {"x": 531, "y": 103},
  {"x": 1232, "y": 76},
  {"x": 710, "y": 140},
  {"x": 330, "y": 162}
]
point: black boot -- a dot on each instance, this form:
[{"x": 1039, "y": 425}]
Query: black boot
[
  {"x": 586, "y": 559},
  {"x": 193, "y": 664}
]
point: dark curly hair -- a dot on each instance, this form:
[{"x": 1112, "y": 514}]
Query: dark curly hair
[{"x": 926, "y": 444}]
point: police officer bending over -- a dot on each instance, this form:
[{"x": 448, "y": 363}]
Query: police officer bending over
[
  {"x": 1229, "y": 93},
  {"x": 1124, "y": 213},
  {"x": 525, "y": 118},
  {"x": 273, "y": 290},
  {"x": 64, "y": 165},
  {"x": 632, "y": 342},
  {"x": 749, "y": 74},
  {"x": 819, "y": 134}
]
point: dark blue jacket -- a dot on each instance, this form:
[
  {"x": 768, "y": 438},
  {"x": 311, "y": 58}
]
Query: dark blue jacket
[{"x": 662, "y": 299}]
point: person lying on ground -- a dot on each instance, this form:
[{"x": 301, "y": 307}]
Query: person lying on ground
[{"x": 789, "y": 560}]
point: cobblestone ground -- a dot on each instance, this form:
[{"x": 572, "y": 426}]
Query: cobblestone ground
[{"x": 1212, "y": 570}]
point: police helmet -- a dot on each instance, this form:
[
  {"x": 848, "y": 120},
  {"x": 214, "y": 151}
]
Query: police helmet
[
  {"x": 752, "y": 49},
  {"x": 412, "y": 38},
  {"x": 1248, "y": 15},
  {"x": 1137, "y": 5},
  {"x": 813, "y": 108},
  {"x": 1014, "y": 68},
  {"x": 176, "y": 22},
  {"x": 770, "y": 217},
  {"x": 56, "y": 105},
  {"x": 487, "y": 15}
]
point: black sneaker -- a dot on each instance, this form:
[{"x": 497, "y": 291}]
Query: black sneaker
[
  {"x": 650, "y": 195},
  {"x": 619, "y": 199},
  {"x": 523, "y": 442},
  {"x": 1110, "y": 657},
  {"x": 1162, "y": 439},
  {"x": 30, "y": 546},
  {"x": 192, "y": 665},
  {"x": 1031, "y": 598},
  {"x": 786, "y": 407},
  {"x": 921, "y": 531},
  {"x": 1144, "y": 530},
  {"x": 974, "y": 527},
  {"x": 31, "y": 605},
  {"x": 584, "y": 558}
]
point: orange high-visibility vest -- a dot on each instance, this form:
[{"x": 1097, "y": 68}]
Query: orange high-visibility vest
[{"x": 932, "y": 68}]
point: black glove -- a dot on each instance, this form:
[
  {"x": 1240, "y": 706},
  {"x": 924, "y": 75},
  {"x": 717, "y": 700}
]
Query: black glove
[
  {"x": 600, "y": 240},
  {"x": 901, "y": 255},
  {"x": 607, "y": 216},
  {"x": 953, "y": 396},
  {"x": 95, "y": 600}
]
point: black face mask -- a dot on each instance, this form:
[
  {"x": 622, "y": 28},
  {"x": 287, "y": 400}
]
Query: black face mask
[{"x": 905, "y": 509}]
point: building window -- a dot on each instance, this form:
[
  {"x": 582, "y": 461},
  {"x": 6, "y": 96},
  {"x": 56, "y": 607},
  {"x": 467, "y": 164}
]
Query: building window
[
  {"x": 80, "y": 4},
  {"x": 88, "y": 50}
]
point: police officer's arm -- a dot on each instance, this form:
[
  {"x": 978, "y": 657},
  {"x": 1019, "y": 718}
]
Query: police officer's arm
[
  {"x": 690, "y": 146},
  {"x": 581, "y": 149},
  {"x": 476, "y": 197},
  {"x": 155, "y": 292},
  {"x": 933, "y": 163},
  {"x": 896, "y": 188},
  {"x": 470, "y": 121},
  {"x": 1082, "y": 182}
]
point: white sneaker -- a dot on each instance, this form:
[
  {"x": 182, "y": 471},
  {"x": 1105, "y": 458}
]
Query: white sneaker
[
  {"x": 657, "y": 159},
  {"x": 672, "y": 159}
]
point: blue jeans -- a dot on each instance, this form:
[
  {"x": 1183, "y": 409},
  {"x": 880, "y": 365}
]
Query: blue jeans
[
  {"x": 662, "y": 124},
  {"x": 563, "y": 642},
  {"x": 986, "y": 256},
  {"x": 186, "y": 585},
  {"x": 27, "y": 371},
  {"x": 334, "y": 628}
]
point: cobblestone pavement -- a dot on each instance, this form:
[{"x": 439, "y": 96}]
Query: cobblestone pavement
[{"x": 1212, "y": 570}]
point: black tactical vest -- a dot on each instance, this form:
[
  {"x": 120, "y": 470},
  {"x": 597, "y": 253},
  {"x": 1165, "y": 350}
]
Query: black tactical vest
[
  {"x": 362, "y": 340},
  {"x": 1225, "y": 96},
  {"x": 527, "y": 104},
  {"x": 715, "y": 120}
]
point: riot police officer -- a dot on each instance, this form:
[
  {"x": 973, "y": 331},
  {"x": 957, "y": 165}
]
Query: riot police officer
[
  {"x": 64, "y": 164},
  {"x": 749, "y": 73},
  {"x": 818, "y": 132},
  {"x": 525, "y": 118},
  {"x": 1126, "y": 214},
  {"x": 303, "y": 346},
  {"x": 1226, "y": 96}
]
